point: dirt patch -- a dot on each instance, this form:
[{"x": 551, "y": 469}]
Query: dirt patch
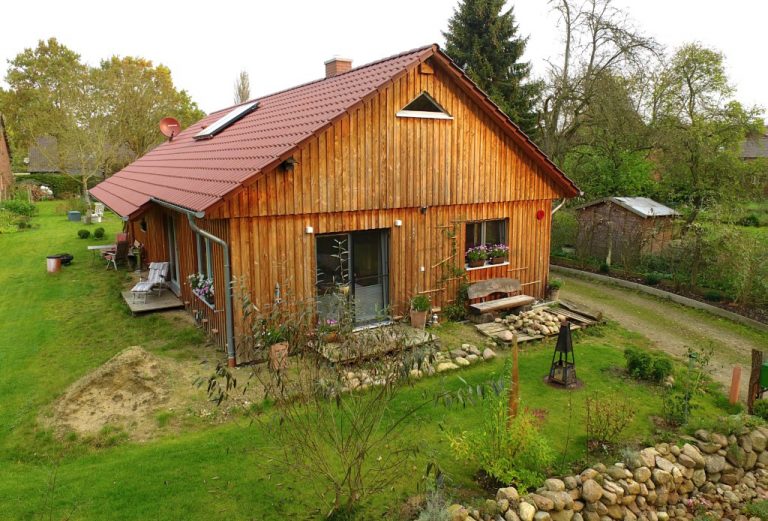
[{"x": 139, "y": 393}]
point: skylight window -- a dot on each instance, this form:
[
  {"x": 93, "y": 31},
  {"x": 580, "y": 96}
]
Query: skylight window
[
  {"x": 226, "y": 120},
  {"x": 424, "y": 106}
]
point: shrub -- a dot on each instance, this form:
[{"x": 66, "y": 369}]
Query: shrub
[
  {"x": 757, "y": 509},
  {"x": 652, "y": 278},
  {"x": 435, "y": 509},
  {"x": 713, "y": 295},
  {"x": 646, "y": 366},
  {"x": 607, "y": 417},
  {"x": 750, "y": 220},
  {"x": 20, "y": 207},
  {"x": 760, "y": 409},
  {"x": 420, "y": 303},
  {"x": 457, "y": 310},
  {"x": 604, "y": 268},
  {"x": 565, "y": 229},
  {"x": 83, "y": 234},
  {"x": 511, "y": 451},
  {"x": 98, "y": 233},
  {"x": 60, "y": 184}
]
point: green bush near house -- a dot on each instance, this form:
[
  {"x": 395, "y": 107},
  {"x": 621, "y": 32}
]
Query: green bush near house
[
  {"x": 644, "y": 365},
  {"x": 20, "y": 207},
  {"x": 83, "y": 234}
]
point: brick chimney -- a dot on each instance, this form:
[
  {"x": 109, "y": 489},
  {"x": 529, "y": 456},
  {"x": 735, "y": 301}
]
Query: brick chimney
[{"x": 336, "y": 66}]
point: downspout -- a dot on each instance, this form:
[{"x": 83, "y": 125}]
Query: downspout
[
  {"x": 231, "y": 360},
  {"x": 558, "y": 207}
]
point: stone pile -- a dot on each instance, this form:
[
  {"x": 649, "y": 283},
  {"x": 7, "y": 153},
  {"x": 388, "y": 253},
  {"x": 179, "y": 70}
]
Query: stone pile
[
  {"x": 711, "y": 474},
  {"x": 468, "y": 354},
  {"x": 532, "y": 323}
]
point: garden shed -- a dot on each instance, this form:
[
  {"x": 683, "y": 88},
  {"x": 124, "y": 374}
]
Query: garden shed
[
  {"x": 621, "y": 229},
  {"x": 377, "y": 178}
]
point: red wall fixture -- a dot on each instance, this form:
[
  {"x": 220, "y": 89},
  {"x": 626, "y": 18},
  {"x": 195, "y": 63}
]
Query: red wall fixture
[{"x": 540, "y": 215}]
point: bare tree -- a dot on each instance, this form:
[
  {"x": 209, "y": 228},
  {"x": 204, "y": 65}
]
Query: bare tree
[
  {"x": 598, "y": 39},
  {"x": 242, "y": 87}
]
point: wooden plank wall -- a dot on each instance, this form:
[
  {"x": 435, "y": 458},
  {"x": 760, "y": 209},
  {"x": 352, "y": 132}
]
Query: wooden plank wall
[
  {"x": 371, "y": 159},
  {"x": 270, "y": 250},
  {"x": 156, "y": 247}
]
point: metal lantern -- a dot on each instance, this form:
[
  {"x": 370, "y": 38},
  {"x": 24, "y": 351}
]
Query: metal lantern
[{"x": 563, "y": 369}]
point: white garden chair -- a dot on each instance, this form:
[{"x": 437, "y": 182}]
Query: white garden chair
[{"x": 156, "y": 281}]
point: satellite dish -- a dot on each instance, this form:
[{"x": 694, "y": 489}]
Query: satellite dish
[{"x": 170, "y": 127}]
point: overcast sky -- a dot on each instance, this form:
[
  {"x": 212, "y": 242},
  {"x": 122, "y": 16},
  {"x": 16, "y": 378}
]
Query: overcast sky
[{"x": 284, "y": 43}]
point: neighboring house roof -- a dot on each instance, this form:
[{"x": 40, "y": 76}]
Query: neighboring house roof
[
  {"x": 755, "y": 146},
  {"x": 197, "y": 174},
  {"x": 642, "y": 206}
]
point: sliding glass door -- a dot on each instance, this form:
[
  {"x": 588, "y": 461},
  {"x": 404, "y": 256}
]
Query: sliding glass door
[{"x": 352, "y": 269}]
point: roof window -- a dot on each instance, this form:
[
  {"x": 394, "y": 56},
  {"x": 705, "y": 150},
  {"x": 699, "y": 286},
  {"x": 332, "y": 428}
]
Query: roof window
[
  {"x": 223, "y": 122},
  {"x": 424, "y": 106}
]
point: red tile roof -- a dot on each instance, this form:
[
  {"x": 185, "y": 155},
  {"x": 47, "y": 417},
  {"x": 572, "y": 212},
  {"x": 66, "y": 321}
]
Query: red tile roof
[{"x": 197, "y": 174}]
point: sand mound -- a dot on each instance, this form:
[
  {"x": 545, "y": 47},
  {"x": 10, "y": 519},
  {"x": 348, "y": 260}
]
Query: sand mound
[{"x": 126, "y": 389}]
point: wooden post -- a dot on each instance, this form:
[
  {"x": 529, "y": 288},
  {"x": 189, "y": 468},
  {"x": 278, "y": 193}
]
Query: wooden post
[
  {"x": 754, "y": 379},
  {"x": 733, "y": 397},
  {"x": 514, "y": 388}
]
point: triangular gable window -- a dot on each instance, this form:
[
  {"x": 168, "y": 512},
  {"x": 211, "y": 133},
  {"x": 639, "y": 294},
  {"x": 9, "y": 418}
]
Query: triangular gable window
[{"x": 424, "y": 106}]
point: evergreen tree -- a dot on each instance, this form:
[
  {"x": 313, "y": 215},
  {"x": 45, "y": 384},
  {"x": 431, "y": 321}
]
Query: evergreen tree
[{"x": 483, "y": 40}]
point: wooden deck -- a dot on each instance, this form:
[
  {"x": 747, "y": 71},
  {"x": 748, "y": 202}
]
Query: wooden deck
[{"x": 166, "y": 300}]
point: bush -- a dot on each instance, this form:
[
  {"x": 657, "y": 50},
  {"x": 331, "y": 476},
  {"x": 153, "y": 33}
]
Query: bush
[
  {"x": 760, "y": 409},
  {"x": 83, "y": 234},
  {"x": 750, "y": 220},
  {"x": 607, "y": 417},
  {"x": 98, "y": 233},
  {"x": 652, "y": 278},
  {"x": 713, "y": 295},
  {"x": 565, "y": 229},
  {"x": 20, "y": 207},
  {"x": 646, "y": 366},
  {"x": 604, "y": 268},
  {"x": 757, "y": 509},
  {"x": 61, "y": 184},
  {"x": 513, "y": 452}
]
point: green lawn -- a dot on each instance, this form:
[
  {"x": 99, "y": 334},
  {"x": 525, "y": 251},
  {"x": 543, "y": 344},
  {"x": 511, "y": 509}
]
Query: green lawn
[{"x": 56, "y": 328}]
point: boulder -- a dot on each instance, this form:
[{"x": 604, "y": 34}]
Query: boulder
[
  {"x": 591, "y": 491},
  {"x": 508, "y": 493},
  {"x": 759, "y": 441},
  {"x": 446, "y": 366},
  {"x": 714, "y": 463},
  {"x": 693, "y": 453},
  {"x": 554, "y": 485},
  {"x": 664, "y": 464},
  {"x": 457, "y": 513},
  {"x": 527, "y": 511},
  {"x": 461, "y": 361},
  {"x": 642, "y": 474},
  {"x": 488, "y": 354}
]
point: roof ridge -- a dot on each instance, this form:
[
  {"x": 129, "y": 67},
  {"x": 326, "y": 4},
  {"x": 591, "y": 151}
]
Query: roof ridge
[{"x": 318, "y": 80}]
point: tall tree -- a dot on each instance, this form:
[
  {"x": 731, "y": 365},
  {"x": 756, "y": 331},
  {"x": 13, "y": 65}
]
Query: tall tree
[
  {"x": 484, "y": 41},
  {"x": 242, "y": 88},
  {"x": 598, "y": 40},
  {"x": 699, "y": 129}
]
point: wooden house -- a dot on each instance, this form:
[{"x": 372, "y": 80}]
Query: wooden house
[
  {"x": 377, "y": 178},
  {"x": 621, "y": 229}
]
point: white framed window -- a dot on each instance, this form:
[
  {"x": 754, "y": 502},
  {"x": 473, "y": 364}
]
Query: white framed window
[{"x": 424, "y": 106}]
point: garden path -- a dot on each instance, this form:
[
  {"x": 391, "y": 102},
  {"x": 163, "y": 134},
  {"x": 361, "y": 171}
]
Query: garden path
[{"x": 672, "y": 327}]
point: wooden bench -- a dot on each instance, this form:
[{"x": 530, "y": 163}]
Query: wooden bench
[{"x": 488, "y": 296}]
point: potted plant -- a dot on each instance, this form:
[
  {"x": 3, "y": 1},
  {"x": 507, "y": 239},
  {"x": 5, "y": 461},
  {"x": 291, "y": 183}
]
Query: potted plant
[
  {"x": 553, "y": 288},
  {"x": 419, "y": 311},
  {"x": 329, "y": 330},
  {"x": 477, "y": 256},
  {"x": 498, "y": 253},
  {"x": 276, "y": 339}
]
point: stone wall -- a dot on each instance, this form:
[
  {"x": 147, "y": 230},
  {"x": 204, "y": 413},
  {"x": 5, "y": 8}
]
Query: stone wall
[{"x": 710, "y": 472}]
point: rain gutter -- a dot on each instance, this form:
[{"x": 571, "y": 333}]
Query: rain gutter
[{"x": 191, "y": 216}]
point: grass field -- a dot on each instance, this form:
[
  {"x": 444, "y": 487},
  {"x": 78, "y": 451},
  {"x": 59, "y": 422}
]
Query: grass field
[{"x": 56, "y": 328}]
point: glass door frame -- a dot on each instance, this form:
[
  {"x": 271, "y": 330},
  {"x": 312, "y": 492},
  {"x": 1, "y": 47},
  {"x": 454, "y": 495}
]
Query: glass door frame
[{"x": 171, "y": 242}]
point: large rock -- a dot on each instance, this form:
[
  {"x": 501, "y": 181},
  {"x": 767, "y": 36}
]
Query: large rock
[
  {"x": 648, "y": 455},
  {"x": 661, "y": 477},
  {"x": 508, "y": 493},
  {"x": 591, "y": 491},
  {"x": 457, "y": 513},
  {"x": 542, "y": 502},
  {"x": 759, "y": 441},
  {"x": 542, "y": 516},
  {"x": 562, "y": 515},
  {"x": 642, "y": 474},
  {"x": 714, "y": 463},
  {"x": 527, "y": 511},
  {"x": 554, "y": 485},
  {"x": 664, "y": 464},
  {"x": 446, "y": 366},
  {"x": 488, "y": 354},
  {"x": 699, "y": 477},
  {"x": 694, "y": 453},
  {"x": 461, "y": 361}
]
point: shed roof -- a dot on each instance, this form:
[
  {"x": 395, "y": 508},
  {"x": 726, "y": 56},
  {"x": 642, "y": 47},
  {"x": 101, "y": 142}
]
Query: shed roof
[
  {"x": 197, "y": 174},
  {"x": 642, "y": 206}
]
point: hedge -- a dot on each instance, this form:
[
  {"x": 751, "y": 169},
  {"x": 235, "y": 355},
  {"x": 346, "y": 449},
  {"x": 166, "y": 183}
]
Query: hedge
[{"x": 61, "y": 184}]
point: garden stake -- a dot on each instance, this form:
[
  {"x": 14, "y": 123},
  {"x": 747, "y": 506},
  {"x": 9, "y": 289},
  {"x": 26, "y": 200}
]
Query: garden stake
[
  {"x": 735, "y": 379},
  {"x": 514, "y": 389}
]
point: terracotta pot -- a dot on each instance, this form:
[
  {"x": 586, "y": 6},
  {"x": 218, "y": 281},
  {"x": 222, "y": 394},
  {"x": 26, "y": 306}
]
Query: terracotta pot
[
  {"x": 554, "y": 294},
  {"x": 278, "y": 356},
  {"x": 419, "y": 319},
  {"x": 476, "y": 263},
  {"x": 498, "y": 260}
]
